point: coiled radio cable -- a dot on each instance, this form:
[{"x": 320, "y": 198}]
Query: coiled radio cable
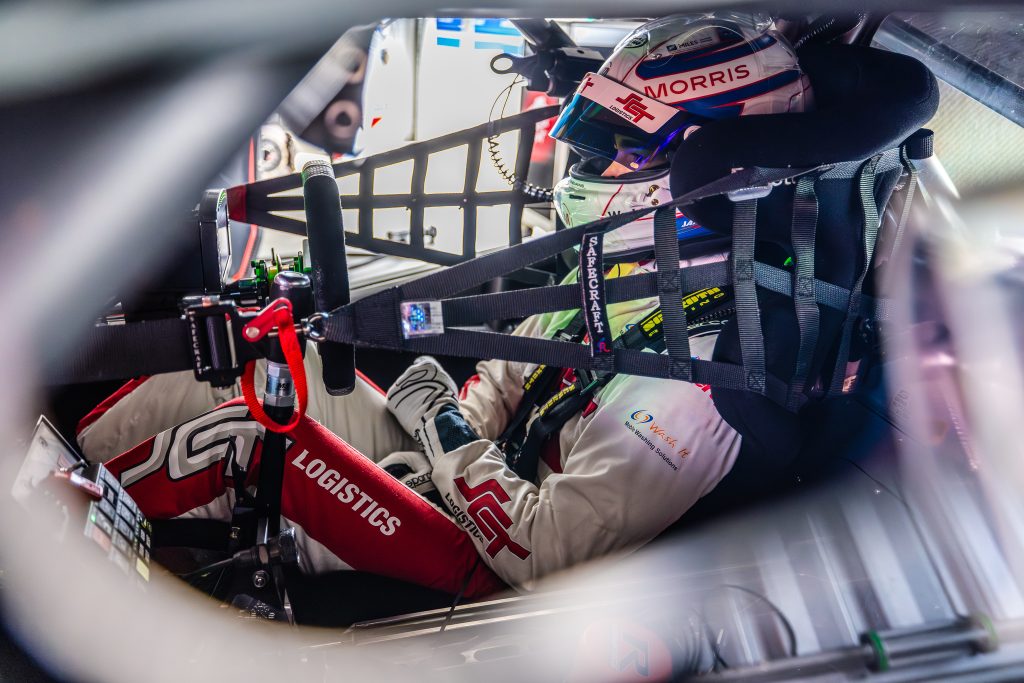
[{"x": 534, "y": 192}]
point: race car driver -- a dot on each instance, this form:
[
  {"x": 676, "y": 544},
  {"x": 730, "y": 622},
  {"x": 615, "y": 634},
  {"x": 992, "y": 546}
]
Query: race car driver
[{"x": 613, "y": 475}]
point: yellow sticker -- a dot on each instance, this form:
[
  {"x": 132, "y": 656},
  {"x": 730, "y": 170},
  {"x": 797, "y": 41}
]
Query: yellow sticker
[
  {"x": 533, "y": 378},
  {"x": 703, "y": 298},
  {"x": 557, "y": 397},
  {"x": 651, "y": 322}
]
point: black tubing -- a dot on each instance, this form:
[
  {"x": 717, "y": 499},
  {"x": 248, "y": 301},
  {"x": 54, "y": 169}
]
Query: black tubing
[{"x": 330, "y": 267}]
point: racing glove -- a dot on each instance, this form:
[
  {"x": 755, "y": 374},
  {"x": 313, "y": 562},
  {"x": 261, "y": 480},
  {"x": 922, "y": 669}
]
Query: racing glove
[
  {"x": 412, "y": 468},
  {"x": 424, "y": 403},
  {"x": 421, "y": 389}
]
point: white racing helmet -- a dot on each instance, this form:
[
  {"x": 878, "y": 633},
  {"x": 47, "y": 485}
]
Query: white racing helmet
[
  {"x": 664, "y": 79},
  {"x": 677, "y": 72}
]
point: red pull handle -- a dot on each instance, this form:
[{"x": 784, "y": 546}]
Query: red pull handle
[{"x": 276, "y": 315}]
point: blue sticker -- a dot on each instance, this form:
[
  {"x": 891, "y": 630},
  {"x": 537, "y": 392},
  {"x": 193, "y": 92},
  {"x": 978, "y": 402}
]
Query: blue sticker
[
  {"x": 450, "y": 24},
  {"x": 504, "y": 47},
  {"x": 421, "y": 318},
  {"x": 448, "y": 42},
  {"x": 496, "y": 27},
  {"x": 686, "y": 228}
]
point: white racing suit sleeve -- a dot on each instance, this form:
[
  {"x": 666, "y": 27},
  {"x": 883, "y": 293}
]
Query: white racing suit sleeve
[
  {"x": 630, "y": 468},
  {"x": 491, "y": 396}
]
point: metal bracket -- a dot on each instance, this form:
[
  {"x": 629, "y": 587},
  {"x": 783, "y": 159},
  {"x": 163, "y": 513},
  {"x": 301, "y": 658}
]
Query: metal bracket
[{"x": 215, "y": 334}]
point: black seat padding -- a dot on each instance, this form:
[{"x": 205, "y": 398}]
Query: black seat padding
[{"x": 850, "y": 429}]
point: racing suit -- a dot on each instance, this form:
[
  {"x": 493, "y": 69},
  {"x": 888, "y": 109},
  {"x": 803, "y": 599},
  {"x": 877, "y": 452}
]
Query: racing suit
[{"x": 617, "y": 474}]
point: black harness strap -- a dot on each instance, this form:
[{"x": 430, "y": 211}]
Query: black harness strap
[
  {"x": 475, "y": 344},
  {"x": 748, "y": 312},
  {"x": 805, "y": 223},
  {"x": 825, "y": 293},
  {"x": 518, "y": 303},
  {"x": 563, "y": 406},
  {"x": 866, "y": 183},
  {"x": 120, "y": 351},
  {"x": 479, "y": 344},
  {"x": 479, "y": 308},
  {"x": 666, "y": 253},
  {"x": 908, "y": 200},
  {"x": 539, "y": 385}
]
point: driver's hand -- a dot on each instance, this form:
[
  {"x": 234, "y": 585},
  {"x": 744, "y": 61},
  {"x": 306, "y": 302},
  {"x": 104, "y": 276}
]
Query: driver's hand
[
  {"x": 412, "y": 468},
  {"x": 421, "y": 388}
]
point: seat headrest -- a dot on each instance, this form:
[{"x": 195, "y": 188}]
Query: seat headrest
[{"x": 866, "y": 101}]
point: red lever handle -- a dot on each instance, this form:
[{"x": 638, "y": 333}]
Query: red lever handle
[{"x": 278, "y": 314}]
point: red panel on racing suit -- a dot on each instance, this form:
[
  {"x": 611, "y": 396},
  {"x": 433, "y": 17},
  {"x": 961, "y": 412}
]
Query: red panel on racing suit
[{"x": 346, "y": 510}]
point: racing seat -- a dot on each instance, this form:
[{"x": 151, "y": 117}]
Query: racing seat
[{"x": 867, "y": 101}]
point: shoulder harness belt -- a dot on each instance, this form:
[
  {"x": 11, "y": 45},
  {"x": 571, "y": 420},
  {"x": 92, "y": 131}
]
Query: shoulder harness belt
[{"x": 427, "y": 316}]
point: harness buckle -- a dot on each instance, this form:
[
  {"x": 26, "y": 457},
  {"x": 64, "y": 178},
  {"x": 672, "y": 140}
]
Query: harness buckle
[
  {"x": 267, "y": 320},
  {"x": 314, "y": 327}
]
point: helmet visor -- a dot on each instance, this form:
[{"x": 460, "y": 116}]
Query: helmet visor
[{"x": 606, "y": 118}]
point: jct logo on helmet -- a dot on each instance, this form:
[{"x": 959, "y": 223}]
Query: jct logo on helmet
[{"x": 634, "y": 106}]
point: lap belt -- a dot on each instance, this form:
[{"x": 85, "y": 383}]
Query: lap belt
[{"x": 207, "y": 339}]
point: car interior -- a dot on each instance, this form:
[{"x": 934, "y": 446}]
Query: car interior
[{"x": 176, "y": 170}]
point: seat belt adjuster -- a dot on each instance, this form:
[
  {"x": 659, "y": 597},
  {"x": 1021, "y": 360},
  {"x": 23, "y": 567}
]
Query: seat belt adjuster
[{"x": 214, "y": 329}]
